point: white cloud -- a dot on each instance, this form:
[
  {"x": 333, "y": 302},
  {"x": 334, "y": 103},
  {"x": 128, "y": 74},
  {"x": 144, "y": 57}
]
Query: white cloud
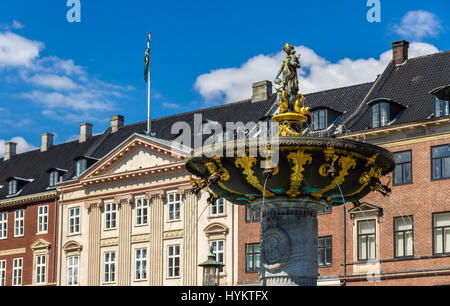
[
  {"x": 22, "y": 145},
  {"x": 53, "y": 81},
  {"x": 170, "y": 105},
  {"x": 417, "y": 25},
  {"x": 16, "y": 51},
  {"x": 317, "y": 73},
  {"x": 17, "y": 25}
]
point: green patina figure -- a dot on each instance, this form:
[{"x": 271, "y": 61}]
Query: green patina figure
[{"x": 289, "y": 85}]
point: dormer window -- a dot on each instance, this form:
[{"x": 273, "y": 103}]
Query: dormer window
[
  {"x": 55, "y": 176},
  {"x": 12, "y": 187},
  {"x": 16, "y": 184},
  {"x": 441, "y": 101},
  {"x": 323, "y": 118},
  {"x": 81, "y": 166},
  {"x": 441, "y": 107},
  {"x": 384, "y": 111}
]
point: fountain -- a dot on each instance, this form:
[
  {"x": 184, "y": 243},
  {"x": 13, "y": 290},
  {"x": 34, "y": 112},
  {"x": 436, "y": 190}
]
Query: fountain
[{"x": 308, "y": 175}]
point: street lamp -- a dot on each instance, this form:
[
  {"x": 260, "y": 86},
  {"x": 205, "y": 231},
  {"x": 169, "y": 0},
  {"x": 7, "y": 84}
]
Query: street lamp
[{"x": 211, "y": 270}]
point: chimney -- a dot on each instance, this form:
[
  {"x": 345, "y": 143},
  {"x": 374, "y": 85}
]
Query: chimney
[
  {"x": 47, "y": 141},
  {"x": 10, "y": 150},
  {"x": 116, "y": 123},
  {"x": 85, "y": 132},
  {"x": 400, "y": 50},
  {"x": 261, "y": 91}
]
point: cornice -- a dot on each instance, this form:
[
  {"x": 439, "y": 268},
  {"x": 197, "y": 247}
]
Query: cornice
[{"x": 37, "y": 197}]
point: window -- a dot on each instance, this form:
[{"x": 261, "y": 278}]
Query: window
[
  {"x": 73, "y": 270},
  {"x": 110, "y": 216},
  {"x": 3, "y": 225},
  {"x": 218, "y": 247},
  {"x": 441, "y": 233},
  {"x": 81, "y": 166},
  {"x": 173, "y": 262},
  {"x": 441, "y": 107},
  {"x": 252, "y": 257},
  {"x": 403, "y": 168},
  {"x": 41, "y": 269},
  {"x": 74, "y": 220},
  {"x": 54, "y": 178},
  {"x": 366, "y": 240},
  {"x": 174, "y": 203},
  {"x": 403, "y": 237},
  {"x": 17, "y": 272},
  {"x": 12, "y": 187},
  {"x": 380, "y": 114},
  {"x": 2, "y": 273},
  {"x": 141, "y": 211},
  {"x": 325, "y": 251},
  {"x": 440, "y": 160},
  {"x": 217, "y": 208},
  {"x": 42, "y": 219},
  {"x": 109, "y": 267},
  {"x": 319, "y": 120},
  {"x": 19, "y": 222},
  {"x": 140, "y": 264},
  {"x": 251, "y": 215}
]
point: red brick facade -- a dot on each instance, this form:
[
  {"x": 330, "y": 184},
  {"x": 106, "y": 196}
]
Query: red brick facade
[
  {"x": 419, "y": 200},
  {"x": 21, "y": 247}
]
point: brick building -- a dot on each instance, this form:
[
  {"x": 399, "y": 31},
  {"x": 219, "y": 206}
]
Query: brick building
[{"x": 403, "y": 239}]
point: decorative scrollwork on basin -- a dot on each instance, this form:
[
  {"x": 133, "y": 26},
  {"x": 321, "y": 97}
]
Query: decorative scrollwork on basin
[
  {"x": 246, "y": 163},
  {"x": 299, "y": 159}
]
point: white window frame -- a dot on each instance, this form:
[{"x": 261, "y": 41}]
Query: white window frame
[
  {"x": 109, "y": 277},
  {"x": 3, "y": 225},
  {"x": 41, "y": 269},
  {"x": 73, "y": 270},
  {"x": 171, "y": 207},
  {"x": 111, "y": 211},
  {"x": 214, "y": 246},
  {"x": 74, "y": 221},
  {"x": 42, "y": 224},
  {"x": 141, "y": 210},
  {"x": 141, "y": 264},
  {"x": 19, "y": 223},
  {"x": 171, "y": 267},
  {"x": 2, "y": 273},
  {"x": 17, "y": 272},
  {"x": 217, "y": 205}
]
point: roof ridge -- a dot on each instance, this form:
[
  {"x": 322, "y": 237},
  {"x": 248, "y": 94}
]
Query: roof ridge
[
  {"x": 338, "y": 88},
  {"x": 428, "y": 55}
]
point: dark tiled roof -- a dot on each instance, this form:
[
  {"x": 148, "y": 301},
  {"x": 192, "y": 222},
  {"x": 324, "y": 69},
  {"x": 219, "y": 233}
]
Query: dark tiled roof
[
  {"x": 409, "y": 85},
  {"x": 35, "y": 164}
]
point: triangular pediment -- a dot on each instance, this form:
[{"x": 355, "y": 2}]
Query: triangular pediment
[
  {"x": 365, "y": 208},
  {"x": 134, "y": 154},
  {"x": 40, "y": 244}
]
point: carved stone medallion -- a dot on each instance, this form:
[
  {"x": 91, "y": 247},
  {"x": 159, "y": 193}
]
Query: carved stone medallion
[{"x": 276, "y": 248}]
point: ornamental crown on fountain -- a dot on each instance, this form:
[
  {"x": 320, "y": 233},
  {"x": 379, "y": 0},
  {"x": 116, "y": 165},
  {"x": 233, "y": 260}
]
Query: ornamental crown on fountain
[{"x": 292, "y": 112}]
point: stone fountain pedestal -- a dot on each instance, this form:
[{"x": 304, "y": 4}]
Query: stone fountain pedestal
[{"x": 289, "y": 231}]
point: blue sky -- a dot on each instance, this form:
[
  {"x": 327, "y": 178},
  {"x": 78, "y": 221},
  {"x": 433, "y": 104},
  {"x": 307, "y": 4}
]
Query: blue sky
[{"x": 55, "y": 75}]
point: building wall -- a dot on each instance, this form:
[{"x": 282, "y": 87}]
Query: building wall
[{"x": 21, "y": 247}]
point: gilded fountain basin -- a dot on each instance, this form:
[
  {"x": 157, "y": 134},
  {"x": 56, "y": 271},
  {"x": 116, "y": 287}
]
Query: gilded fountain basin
[{"x": 327, "y": 169}]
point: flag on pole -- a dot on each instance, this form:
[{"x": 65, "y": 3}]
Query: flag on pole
[{"x": 147, "y": 58}]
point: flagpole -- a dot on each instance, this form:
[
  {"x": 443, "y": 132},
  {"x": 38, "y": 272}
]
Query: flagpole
[{"x": 149, "y": 127}]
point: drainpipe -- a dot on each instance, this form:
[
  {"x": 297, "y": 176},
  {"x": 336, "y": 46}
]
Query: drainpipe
[
  {"x": 61, "y": 202},
  {"x": 54, "y": 237},
  {"x": 344, "y": 218},
  {"x": 232, "y": 245}
]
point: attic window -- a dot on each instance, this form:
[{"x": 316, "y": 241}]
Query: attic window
[
  {"x": 12, "y": 187},
  {"x": 384, "y": 111},
  {"x": 15, "y": 185},
  {"x": 81, "y": 166},
  {"x": 55, "y": 176},
  {"x": 441, "y": 107},
  {"x": 323, "y": 118}
]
